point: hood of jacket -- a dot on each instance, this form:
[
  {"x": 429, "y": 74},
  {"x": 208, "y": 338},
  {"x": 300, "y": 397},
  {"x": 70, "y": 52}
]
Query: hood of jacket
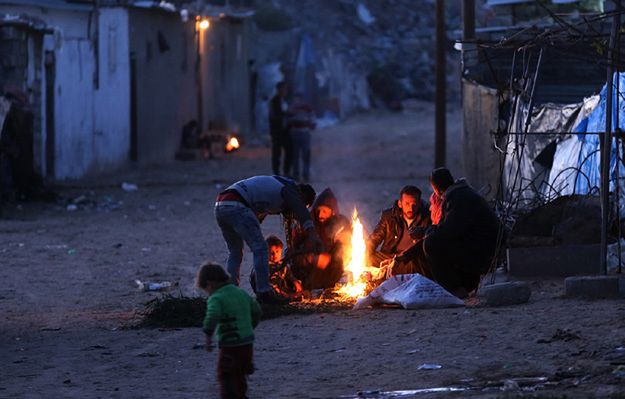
[{"x": 328, "y": 199}]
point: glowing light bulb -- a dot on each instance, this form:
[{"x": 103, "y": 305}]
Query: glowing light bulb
[{"x": 204, "y": 24}]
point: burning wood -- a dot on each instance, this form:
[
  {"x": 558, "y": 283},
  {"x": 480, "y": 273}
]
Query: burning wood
[
  {"x": 232, "y": 144},
  {"x": 356, "y": 270}
]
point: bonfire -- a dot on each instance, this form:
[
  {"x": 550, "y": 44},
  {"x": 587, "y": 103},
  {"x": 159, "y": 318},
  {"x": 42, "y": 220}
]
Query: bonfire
[{"x": 356, "y": 270}]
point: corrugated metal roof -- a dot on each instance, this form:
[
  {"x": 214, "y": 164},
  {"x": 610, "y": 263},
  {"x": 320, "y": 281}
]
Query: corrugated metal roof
[
  {"x": 150, "y": 4},
  {"x": 87, "y": 5},
  {"x": 506, "y": 2},
  {"x": 57, "y": 4},
  {"x": 26, "y": 21},
  {"x": 226, "y": 12}
]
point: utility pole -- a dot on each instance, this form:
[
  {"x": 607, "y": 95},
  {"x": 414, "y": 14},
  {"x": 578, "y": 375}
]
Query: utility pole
[
  {"x": 468, "y": 18},
  {"x": 439, "y": 119},
  {"x": 606, "y": 150},
  {"x": 199, "y": 35}
]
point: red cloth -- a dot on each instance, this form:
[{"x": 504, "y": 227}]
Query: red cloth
[
  {"x": 436, "y": 208},
  {"x": 230, "y": 195},
  {"x": 233, "y": 366}
]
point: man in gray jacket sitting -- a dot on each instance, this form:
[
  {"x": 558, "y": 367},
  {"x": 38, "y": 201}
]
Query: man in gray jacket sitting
[{"x": 241, "y": 208}]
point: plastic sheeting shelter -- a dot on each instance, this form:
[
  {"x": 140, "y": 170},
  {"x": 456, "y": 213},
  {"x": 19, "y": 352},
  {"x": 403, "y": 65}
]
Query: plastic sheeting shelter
[{"x": 564, "y": 160}]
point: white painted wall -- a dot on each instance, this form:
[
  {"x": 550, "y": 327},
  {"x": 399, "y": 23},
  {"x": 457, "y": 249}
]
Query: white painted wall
[
  {"x": 74, "y": 111},
  {"x": 112, "y": 100},
  {"x": 165, "y": 82},
  {"x": 92, "y": 126}
]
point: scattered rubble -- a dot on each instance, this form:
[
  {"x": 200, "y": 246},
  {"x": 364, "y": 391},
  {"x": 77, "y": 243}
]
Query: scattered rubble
[
  {"x": 565, "y": 335},
  {"x": 89, "y": 201},
  {"x": 391, "y": 43},
  {"x": 153, "y": 286},
  {"x": 128, "y": 187}
]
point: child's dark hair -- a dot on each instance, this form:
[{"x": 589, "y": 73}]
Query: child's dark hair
[
  {"x": 274, "y": 241},
  {"x": 211, "y": 272}
]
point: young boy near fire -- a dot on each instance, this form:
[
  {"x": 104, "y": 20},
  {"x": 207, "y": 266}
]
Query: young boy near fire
[
  {"x": 280, "y": 276},
  {"x": 232, "y": 314}
]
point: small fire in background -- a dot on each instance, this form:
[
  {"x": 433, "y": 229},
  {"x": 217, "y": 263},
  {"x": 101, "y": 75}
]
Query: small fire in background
[
  {"x": 355, "y": 288},
  {"x": 232, "y": 144}
]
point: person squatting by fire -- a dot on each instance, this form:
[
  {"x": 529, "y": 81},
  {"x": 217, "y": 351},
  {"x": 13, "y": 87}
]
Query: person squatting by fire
[
  {"x": 451, "y": 240},
  {"x": 302, "y": 268},
  {"x": 460, "y": 245},
  {"x": 400, "y": 228},
  {"x": 241, "y": 208},
  {"x": 324, "y": 269},
  {"x": 281, "y": 277}
]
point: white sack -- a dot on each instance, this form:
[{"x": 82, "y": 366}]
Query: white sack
[{"x": 411, "y": 291}]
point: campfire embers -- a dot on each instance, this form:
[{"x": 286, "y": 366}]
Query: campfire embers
[
  {"x": 232, "y": 144},
  {"x": 356, "y": 269}
]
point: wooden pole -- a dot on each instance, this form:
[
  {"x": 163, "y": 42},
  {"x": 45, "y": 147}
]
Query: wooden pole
[
  {"x": 606, "y": 150},
  {"x": 198, "y": 76},
  {"x": 439, "y": 121},
  {"x": 468, "y": 17}
]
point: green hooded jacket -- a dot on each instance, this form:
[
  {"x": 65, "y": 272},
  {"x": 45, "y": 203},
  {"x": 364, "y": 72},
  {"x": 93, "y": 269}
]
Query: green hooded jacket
[{"x": 233, "y": 315}]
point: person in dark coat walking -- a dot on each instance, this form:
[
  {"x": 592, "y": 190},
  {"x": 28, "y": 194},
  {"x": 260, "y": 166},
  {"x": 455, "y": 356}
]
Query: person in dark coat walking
[
  {"x": 279, "y": 130},
  {"x": 400, "y": 228},
  {"x": 462, "y": 245}
]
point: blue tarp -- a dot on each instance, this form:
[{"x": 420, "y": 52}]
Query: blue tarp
[
  {"x": 576, "y": 163},
  {"x": 589, "y": 156}
]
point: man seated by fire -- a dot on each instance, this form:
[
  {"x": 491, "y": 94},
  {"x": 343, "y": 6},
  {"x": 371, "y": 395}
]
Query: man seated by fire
[
  {"x": 400, "y": 228},
  {"x": 325, "y": 269},
  {"x": 281, "y": 278},
  {"x": 241, "y": 208},
  {"x": 461, "y": 247}
]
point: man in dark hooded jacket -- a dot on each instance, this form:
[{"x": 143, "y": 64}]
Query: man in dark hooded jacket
[
  {"x": 399, "y": 228},
  {"x": 462, "y": 245},
  {"x": 325, "y": 269}
]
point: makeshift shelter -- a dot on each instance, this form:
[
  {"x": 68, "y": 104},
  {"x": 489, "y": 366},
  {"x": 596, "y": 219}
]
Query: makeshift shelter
[
  {"x": 144, "y": 62},
  {"x": 557, "y": 153}
]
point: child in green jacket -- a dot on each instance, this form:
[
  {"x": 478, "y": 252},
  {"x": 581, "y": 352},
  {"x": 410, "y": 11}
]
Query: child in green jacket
[{"x": 232, "y": 314}]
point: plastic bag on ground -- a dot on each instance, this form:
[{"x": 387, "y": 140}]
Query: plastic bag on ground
[{"x": 410, "y": 291}]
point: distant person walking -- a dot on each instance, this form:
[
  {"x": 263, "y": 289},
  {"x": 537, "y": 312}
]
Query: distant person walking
[
  {"x": 278, "y": 128},
  {"x": 301, "y": 123}
]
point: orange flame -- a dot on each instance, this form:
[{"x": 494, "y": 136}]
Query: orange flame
[
  {"x": 233, "y": 144},
  {"x": 356, "y": 267}
]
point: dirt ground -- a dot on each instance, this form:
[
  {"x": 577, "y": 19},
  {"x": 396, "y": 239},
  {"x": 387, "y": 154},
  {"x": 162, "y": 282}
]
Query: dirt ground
[{"x": 67, "y": 290}]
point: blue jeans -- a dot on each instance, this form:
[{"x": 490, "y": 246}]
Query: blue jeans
[
  {"x": 301, "y": 150},
  {"x": 239, "y": 224}
]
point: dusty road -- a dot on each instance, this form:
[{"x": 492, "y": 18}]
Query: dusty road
[{"x": 66, "y": 288}]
